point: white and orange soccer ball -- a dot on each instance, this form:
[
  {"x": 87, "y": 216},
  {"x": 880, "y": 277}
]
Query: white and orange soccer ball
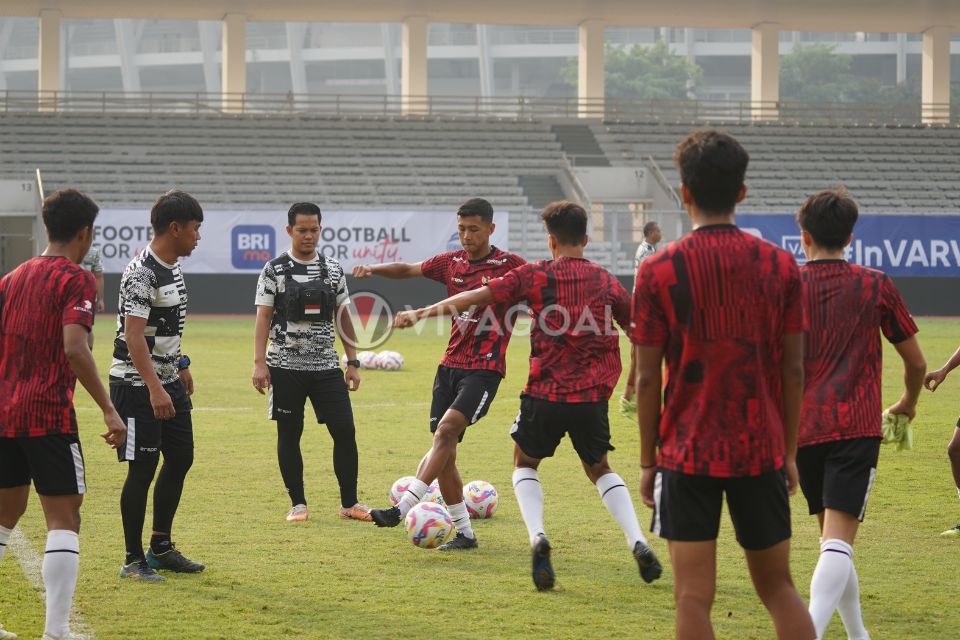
[
  {"x": 399, "y": 488},
  {"x": 368, "y": 359},
  {"x": 389, "y": 360},
  {"x": 481, "y": 499},
  {"x": 428, "y": 524},
  {"x": 433, "y": 494}
]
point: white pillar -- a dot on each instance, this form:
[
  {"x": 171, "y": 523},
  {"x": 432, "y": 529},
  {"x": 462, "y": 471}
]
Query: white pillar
[
  {"x": 484, "y": 61},
  {"x": 935, "y": 90},
  {"x": 298, "y": 70},
  {"x": 208, "y": 51},
  {"x": 413, "y": 67},
  {"x": 50, "y": 78},
  {"x": 127, "y": 43},
  {"x": 233, "y": 62},
  {"x": 901, "y": 58},
  {"x": 590, "y": 72},
  {"x": 765, "y": 72},
  {"x": 390, "y": 79}
]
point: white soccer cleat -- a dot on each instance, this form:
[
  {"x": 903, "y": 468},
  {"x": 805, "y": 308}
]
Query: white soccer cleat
[{"x": 298, "y": 513}]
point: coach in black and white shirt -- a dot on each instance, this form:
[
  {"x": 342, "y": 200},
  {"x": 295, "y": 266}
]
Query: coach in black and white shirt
[
  {"x": 151, "y": 385},
  {"x": 301, "y": 362}
]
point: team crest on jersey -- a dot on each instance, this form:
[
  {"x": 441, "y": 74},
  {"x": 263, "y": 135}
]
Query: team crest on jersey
[{"x": 484, "y": 280}]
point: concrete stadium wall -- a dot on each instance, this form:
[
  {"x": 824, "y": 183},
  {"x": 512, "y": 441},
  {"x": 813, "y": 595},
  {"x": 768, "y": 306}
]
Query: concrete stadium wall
[{"x": 233, "y": 294}]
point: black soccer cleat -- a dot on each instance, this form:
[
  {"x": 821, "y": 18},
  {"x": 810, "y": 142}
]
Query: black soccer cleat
[
  {"x": 543, "y": 576},
  {"x": 386, "y": 517},
  {"x": 459, "y": 542},
  {"x": 173, "y": 560},
  {"x": 140, "y": 570},
  {"x": 650, "y": 568}
]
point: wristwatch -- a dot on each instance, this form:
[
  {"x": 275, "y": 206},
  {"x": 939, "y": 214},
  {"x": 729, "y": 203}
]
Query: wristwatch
[
  {"x": 183, "y": 363},
  {"x": 353, "y": 363}
]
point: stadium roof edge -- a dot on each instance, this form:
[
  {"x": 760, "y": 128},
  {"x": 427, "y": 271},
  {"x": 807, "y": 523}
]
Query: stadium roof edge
[{"x": 810, "y": 15}]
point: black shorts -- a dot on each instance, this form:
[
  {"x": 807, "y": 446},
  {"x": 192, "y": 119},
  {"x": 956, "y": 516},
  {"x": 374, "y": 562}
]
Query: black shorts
[
  {"x": 148, "y": 437},
  {"x": 469, "y": 391},
  {"x": 326, "y": 390},
  {"x": 688, "y": 508},
  {"x": 541, "y": 424},
  {"x": 54, "y": 463},
  {"x": 839, "y": 475}
]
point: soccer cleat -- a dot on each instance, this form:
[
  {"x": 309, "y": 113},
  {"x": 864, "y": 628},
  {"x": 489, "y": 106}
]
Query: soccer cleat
[
  {"x": 173, "y": 560},
  {"x": 140, "y": 570},
  {"x": 459, "y": 542},
  {"x": 650, "y": 568},
  {"x": 298, "y": 513},
  {"x": 628, "y": 408},
  {"x": 543, "y": 576},
  {"x": 952, "y": 532},
  {"x": 386, "y": 517},
  {"x": 356, "y": 512},
  {"x": 7, "y": 635}
]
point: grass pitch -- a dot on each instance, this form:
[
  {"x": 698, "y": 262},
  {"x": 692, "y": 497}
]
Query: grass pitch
[{"x": 328, "y": 578}]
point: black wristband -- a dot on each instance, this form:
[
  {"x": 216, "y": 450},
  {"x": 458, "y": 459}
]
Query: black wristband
[{"x": 648, "y": 466}]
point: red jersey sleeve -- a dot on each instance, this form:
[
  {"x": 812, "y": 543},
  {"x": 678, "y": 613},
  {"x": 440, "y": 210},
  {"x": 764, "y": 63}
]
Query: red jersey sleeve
[
  {"x": 793, "y": 311},
  {"x": 514, "y": 285},
  {"x": 437, "y": 268},
  {"x": 895, "y": 320},
  {"x": 649, "y": 326},
  {"x": 620, "y": 303},
  {"x": 79, "y": 294}
]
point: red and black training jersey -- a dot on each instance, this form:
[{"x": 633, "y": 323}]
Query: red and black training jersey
[
  {"x": 479, "y": 337},
  {"x": 848, "y": 306},
  {"x": 574, "y": 347},
  {"x": 37, "y": 300},
  {"x": 719, "y": 302}
]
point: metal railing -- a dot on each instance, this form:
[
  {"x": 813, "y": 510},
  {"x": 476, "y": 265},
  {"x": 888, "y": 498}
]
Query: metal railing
[{"x": 616, "y": 109}]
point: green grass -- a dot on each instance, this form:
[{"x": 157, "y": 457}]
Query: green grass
[{"x": 328, "y": 578}]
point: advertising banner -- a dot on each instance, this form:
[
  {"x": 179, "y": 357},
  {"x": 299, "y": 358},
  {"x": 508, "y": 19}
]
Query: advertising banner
[
  {"x": 899, "y": 245},
  {"x": 242, "y": 241}
]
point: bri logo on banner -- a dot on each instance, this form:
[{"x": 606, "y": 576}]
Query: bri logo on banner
[{"x": 252, "y": 245}]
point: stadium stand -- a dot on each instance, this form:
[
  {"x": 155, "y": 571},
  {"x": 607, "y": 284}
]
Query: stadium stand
[{"x": 889, "y": 169}]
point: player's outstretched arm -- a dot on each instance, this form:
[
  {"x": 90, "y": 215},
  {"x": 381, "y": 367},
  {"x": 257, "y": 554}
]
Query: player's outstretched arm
[
  {"x": 649, "y": 384},
  {"x": 914, "y": 368},
  {"x": 791, "y": 381},
  {"x": 77, "y": 350},
  {"x": 452, "y": 305},
  {"x": 393, "y": 270},
  {"x": 261, "y": 331},
  {"x": 935, "y": 378}
]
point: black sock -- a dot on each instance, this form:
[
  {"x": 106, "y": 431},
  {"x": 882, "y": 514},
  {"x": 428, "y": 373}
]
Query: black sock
[
  {"x": 133, "y": 505},
  {"x": 133, "y": 557},
  {"x": 160, "y": 543},
  {"x": 289, "y": 431}
]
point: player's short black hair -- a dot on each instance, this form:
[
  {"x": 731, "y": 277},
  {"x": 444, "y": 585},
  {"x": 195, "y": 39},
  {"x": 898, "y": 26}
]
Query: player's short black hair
[
  {"x": 649, "y": 227},
  {"x": 174, "y": 206},
  {"x": 829, "y": 216},
  {"x": 712, "y": 166},
  {"x": 303, "y": 209},
  {"x": 476, "y": 207},
  {"x": 566, "y": 221},
  {"x": 65, "y": 212}
]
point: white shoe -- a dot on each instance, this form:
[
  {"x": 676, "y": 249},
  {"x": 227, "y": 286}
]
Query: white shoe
[
  {"x": 297, "y": 513},
  {"x": 69, "y": 636},
  {"x": 7, "y": 635}
]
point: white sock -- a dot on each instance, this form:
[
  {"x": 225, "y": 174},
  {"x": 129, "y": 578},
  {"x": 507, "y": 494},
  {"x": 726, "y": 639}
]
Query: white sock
[
  {"x": 461, "y": 519},
  {"x": 829, "y": 581},
  {"x": 849, "y": 608},
  {"x": 526, "y": 486},
  {"x": 4, "y": 538},
  {"x": 412, "y": 497},
  {"x": 61, "y": 563},
  {"x": 616, "y": 498}
]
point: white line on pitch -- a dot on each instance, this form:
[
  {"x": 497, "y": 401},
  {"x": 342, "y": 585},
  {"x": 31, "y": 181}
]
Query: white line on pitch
[{"x": 32, "y": 567}]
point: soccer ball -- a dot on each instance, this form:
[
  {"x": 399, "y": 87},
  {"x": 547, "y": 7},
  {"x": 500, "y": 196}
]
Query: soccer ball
[
  {"x": 481, "y": 499},
  {"x": 399, "y": 488},
  {"x": 368, "y": 359},
  {"x": 389, "y": 360},
  {"x": 428, "y": 524},
  {"x": 433, "y": 494}
]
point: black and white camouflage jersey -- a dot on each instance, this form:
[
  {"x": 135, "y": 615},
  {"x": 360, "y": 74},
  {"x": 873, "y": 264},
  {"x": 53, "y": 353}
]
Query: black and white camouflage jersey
[
  {"x": 151, "y": 289},
  {"x": 300, "y": 346}
]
